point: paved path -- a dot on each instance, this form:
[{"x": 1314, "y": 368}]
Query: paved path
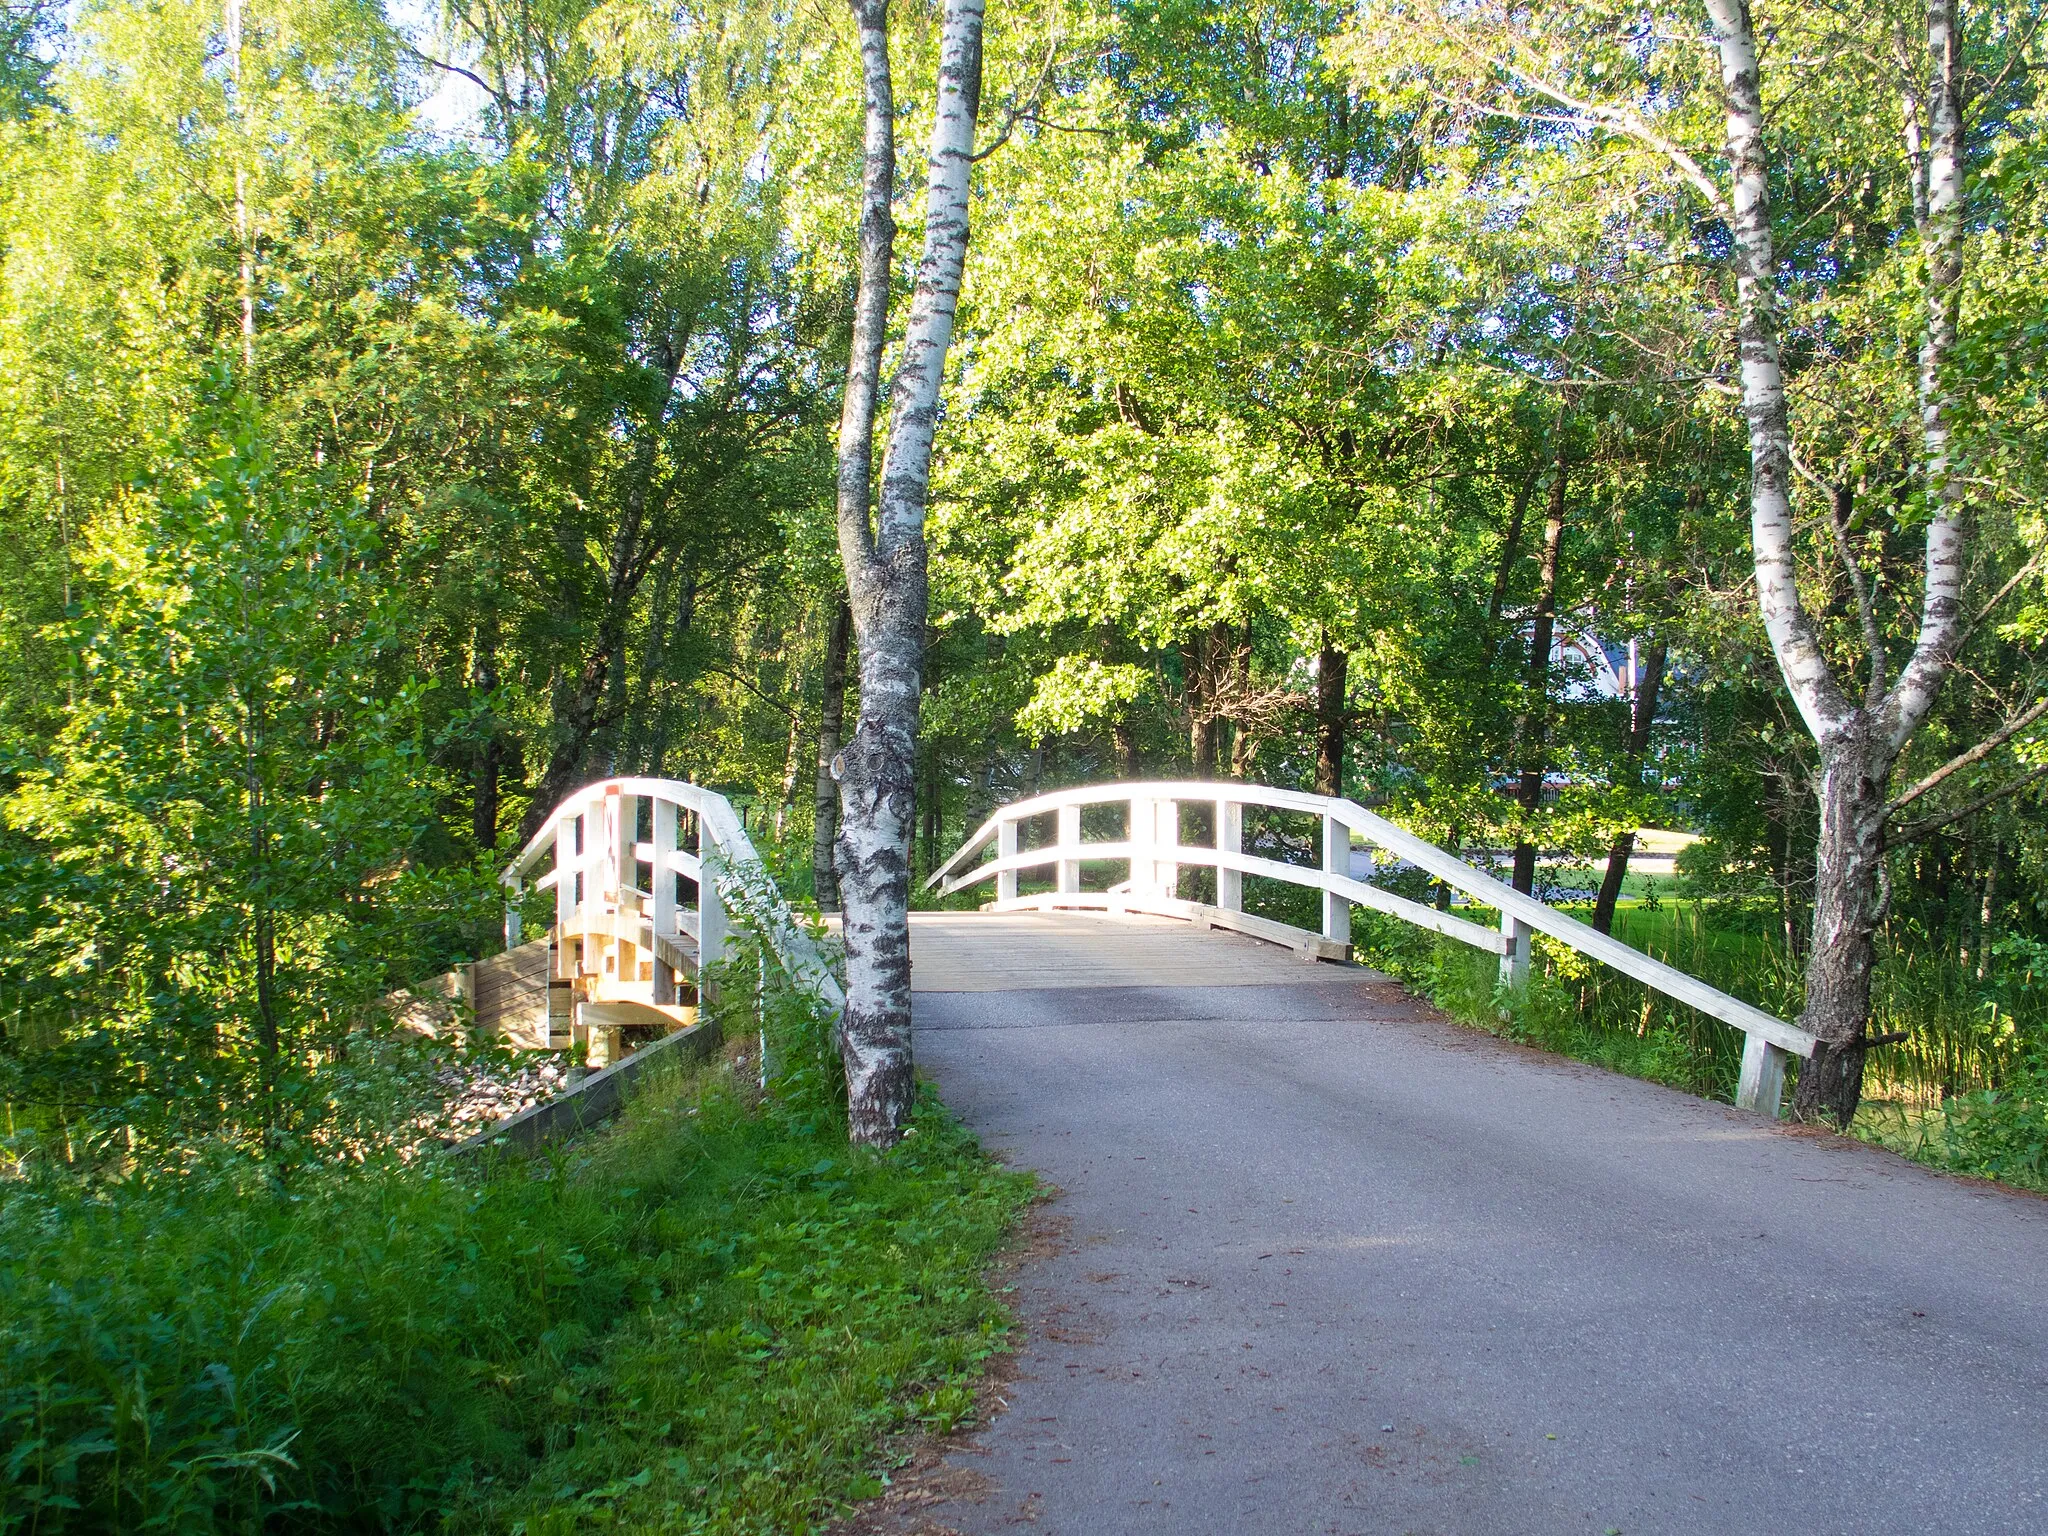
[{"x": 1330, "y": 1264}]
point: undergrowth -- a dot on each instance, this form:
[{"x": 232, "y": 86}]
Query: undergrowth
[
  {"x": 1966, "y": 1091},
  {"x": 704, "y": 1319}
]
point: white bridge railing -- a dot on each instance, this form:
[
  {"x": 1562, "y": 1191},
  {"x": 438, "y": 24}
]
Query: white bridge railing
[
  {"x": 1152, "y": 846},
  {"x": 624, "y": 935}
]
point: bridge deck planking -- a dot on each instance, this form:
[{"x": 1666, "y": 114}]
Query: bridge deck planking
[
  {"x": 1301, "y": 1208},
  {"x": 1006, "y": 952}
]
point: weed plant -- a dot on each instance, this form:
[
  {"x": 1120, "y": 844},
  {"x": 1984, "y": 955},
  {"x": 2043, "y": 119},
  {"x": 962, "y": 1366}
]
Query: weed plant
[
  {"x": 704, "y": 1319},
  {"x": 1966, "y": 1091}
]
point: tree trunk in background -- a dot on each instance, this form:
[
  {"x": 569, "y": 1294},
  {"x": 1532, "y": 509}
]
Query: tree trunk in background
[
  {"x": 792, "y": 757},
  {"x": 1242, "y": 741},
  {"x": 1510, "y": 547},
  {"x": 1535, "y": 725},
  {"x": 1859, "y": 739},
  {"x": 1642, "y": 716},
  {"x": 1197, "y": 661},
  {"x": 580, "y": 716},
  {"x": 831, "y": 722},
  {"x": 934, "y": 805},
  {"x": 882, "y": 545},
  {"x": 1124, "y": 742},
  {"x": 1331, "y": 668},
  {"x": 1987, "y": 912},
  {"x": 489, "y": 758},
  {"x": 655, "y": 750}
]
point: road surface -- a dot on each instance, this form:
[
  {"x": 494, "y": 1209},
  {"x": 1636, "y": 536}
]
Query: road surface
[{"x": 1324, "y": 1262}]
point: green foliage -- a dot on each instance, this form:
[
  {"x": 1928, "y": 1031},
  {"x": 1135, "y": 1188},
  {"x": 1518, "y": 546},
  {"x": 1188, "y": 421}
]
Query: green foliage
[
  {"x": 215, "y": 887},
  {"x": 705, "y": 1320}
]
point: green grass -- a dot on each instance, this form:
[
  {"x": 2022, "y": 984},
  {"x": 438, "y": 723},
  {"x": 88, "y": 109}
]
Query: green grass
[
  {"x": 705, "y": 1319},
  {"x": 1967, "y": 1091}
]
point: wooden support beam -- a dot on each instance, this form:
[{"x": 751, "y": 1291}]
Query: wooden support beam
[
  {"x": 1762, "y": 1085},
  {"x": 1336, "y": 861},
  {"x": 1229, "y": 840},
  {"x": 1069, "y": 837}
]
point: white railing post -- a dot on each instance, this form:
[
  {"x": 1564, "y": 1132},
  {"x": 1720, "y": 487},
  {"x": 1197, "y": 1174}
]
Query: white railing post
[
  {"x": 512, "y": 913},
  {"x": 1336, "y": 861},
  {"x": 1229, "y": 839},
  {"x": 565, "y": 881},
  {"x": 1514, "y": 964},
  {"x": 1168, "y": 812},
  {"x": 1070, "y": 837},
  {"x": 1143, "y": 827},
  {"x": 625, "y": 813},
  {"x": 711, "y": 922},
  {"x": 590, "y": 853},
  {"x": 663, "y": 831},
  {"x": 1762, "y": 1087},
  {"x": 1006, "y": 847}
]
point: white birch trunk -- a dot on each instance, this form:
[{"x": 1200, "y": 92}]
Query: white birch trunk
[
  {"x": 1859, "y": 741},
  {"x": 885, "y": 557},
  {"x": 1793, "y": 638},
  {"x": 1941, "y": 238}
]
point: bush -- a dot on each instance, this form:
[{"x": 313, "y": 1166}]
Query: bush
[{"x": 710, "y": 1314}]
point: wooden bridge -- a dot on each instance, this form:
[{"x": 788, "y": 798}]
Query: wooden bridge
[
  {"x": 644, "y": 873},
  {"x": 1322, "y": 1260}
]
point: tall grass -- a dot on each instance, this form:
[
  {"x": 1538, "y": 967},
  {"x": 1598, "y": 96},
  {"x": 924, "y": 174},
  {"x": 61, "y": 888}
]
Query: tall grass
[
  {"x": 703, "y": 1319},
  {"x": 1967, "y": 1090}
]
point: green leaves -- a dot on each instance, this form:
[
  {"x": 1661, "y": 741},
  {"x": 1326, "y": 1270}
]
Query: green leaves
[{"x": 235, "y": 793}]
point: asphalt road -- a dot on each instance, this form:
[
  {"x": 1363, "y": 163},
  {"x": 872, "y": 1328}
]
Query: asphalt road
[{"x": 1328, "y": 1263}]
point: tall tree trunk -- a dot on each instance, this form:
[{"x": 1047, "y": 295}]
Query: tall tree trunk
[
  {"x": 489, "y": 756},
  {"x": 1642, "y": 716},
  {"x": 831, "y": 722},
  {"x": 1332, "y": 665},
  {"x": 1511, "y": 543},
  {"x": 1859, "y": 740},
  {"x": 1197, "y": 664},
  {"x": 1847, "y": 908},
  {"x": 882, "y": 544},
  {"x": 1123, "y": 736},
  {"x": 1535, "y": 725},
  {"x": 1243, "y": 743}
]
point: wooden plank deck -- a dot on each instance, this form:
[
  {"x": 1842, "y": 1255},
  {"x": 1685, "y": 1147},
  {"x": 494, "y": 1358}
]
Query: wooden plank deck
[{"x": 1027, "y": 951}]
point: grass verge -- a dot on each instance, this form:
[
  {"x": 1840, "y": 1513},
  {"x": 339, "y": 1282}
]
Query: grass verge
[
  {"x": 703, "y": 1320},
  {"x": 1964, "y": 1093}
]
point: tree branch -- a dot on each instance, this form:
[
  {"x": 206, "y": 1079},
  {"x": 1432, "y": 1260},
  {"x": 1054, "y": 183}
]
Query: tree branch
[
  {"x": 1914, "y": 831},
  {"x": 1976, "y": 754},
  {"x": 1839, "y": 503}
]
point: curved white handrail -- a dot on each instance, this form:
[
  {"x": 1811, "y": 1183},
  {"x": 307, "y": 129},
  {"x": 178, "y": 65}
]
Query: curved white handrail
[
  {"x": 1155, "y": 853},
  {"x": 593, "y": 835}
]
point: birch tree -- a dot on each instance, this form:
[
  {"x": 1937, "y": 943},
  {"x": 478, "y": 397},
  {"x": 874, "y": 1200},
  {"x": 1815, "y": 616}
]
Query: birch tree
[
  {"x": 882, "y": 543},
  {"x": 1591, "y": 78}
]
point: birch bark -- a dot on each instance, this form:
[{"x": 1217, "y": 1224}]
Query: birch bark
[
  {"x": 831, "y": 721},
  {"x": 1859, "y": 739},
  {"x": 882, "y": 544}
]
